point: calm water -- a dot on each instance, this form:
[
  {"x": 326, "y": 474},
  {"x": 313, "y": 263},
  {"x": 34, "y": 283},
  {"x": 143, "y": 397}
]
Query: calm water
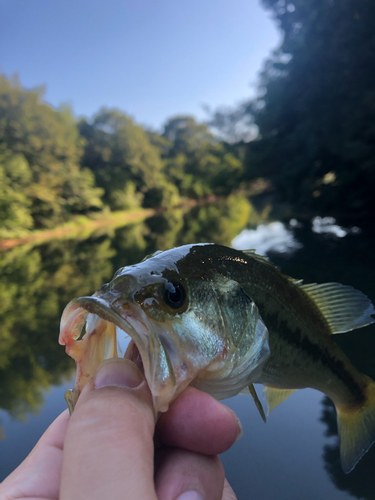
[{"x": 295, "y": 455}]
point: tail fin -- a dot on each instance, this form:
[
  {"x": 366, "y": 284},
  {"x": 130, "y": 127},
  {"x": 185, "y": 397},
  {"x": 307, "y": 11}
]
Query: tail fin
[{"x": 357, "y": 430}]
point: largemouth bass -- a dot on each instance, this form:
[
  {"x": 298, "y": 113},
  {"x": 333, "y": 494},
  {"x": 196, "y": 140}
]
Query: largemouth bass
[{"x": 222, "y": 319}]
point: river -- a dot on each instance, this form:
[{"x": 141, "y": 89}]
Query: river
[{"x": 295, "y": 455}]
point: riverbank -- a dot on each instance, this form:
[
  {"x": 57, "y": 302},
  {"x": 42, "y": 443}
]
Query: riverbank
[{"x": 83, "y": 225}]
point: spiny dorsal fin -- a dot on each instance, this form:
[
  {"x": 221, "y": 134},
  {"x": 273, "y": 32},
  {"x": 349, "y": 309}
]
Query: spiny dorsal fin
[
  {"x": 343, "y": 307},
  {"x": 295, "y": 281},
  {"x": 258, "y": 404},
  {"x": 251, "y": 253},
  {"x": 275, "y": 396}
]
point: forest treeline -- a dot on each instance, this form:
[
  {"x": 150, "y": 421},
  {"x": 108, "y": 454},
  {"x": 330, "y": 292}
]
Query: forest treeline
[
  {"x": 314, "y": 115},
  {"x": 53, "y": 167},
  {"x": 312, "y": 129}
]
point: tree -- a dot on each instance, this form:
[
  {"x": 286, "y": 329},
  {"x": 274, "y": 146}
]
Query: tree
[
  {"x": 125, "y": 162},
  {"x": 196, "y": 161},
  {"x": 48, "y": 145},
  {"x": 316, "y": 110},
  {"x": 15, "y": 175}
]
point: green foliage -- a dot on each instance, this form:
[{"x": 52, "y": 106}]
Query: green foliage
[
  {"x": 15, "y": 176},
  {"x": 53, "y": 169},
  {"x": 48, "y": 145},
  {"x": 125, "y": 163},
  {"x": 218, "y": 222},
  {"x": 127, "y": 198},
  {"x": 196, "y": 162},
  {"x": 316, "y": 111}
]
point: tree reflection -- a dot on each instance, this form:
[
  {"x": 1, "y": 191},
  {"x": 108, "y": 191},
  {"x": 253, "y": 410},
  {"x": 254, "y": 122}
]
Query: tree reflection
[
  {"x": 219, "y": 222},
  {"x": 165, "y": 229},
  {"x": 37, "y": 283},
  {"x": 215, "y": 222}
]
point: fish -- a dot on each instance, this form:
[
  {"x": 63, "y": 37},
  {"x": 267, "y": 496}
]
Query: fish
[{"x": 221, "y": 320}]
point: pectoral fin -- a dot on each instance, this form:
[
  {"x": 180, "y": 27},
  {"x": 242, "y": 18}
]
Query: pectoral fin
[
  {"x": 275, "y": 396},
  {"x": 71, "y": 399},
  {"x": 258, "y": 404}
]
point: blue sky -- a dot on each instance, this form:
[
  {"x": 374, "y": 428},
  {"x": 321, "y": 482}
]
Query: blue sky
[{"x": 151, "y": 58}]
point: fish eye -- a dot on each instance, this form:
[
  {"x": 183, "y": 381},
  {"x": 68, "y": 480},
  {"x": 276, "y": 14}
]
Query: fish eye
[{"x": 174, "y": 294}]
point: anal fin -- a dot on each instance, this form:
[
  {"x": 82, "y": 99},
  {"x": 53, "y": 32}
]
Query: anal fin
[{"x": 275, "y": 396}]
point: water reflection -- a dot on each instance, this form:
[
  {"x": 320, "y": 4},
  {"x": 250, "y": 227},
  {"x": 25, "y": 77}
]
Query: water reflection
[
  {"x": 275, "y": 237},
  {"x": 327, "y": 225},
  {"x": 328, "y": 256},
  {"x": 37, "y": 282},
  {"x": 327, "y": 252}
]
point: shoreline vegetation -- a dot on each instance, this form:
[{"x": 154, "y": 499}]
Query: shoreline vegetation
[
  {"x": 60, "y": 175},
  {"x": 84, "y": 226},
  {"x": 81, "y": 226},
  {"x": 314, "y": 144}
]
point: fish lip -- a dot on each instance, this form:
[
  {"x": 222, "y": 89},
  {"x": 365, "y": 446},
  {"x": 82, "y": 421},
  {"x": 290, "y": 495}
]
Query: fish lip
[
  {"x": 151, "y": 350},
  {"x": 103, "y": 309}
]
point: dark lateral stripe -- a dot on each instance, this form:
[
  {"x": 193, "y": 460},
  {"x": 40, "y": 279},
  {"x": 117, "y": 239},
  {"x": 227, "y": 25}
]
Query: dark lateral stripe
[
  {"x": 316, "y": 353},
  {"x": 240, "y": 267}
]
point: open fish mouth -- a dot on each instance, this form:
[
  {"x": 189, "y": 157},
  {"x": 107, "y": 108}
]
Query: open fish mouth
[
  {"x": 180, "y": 333},
  {"x": 132, "y": 353},
  {"x": 94, "y": 330}
]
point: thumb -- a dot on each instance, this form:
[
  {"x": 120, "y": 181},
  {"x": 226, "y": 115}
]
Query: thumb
[{"x": 109, "y": 449}]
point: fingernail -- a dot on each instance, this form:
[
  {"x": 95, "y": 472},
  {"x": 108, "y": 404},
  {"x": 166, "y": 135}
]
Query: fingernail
[
  {"x": 239, "y": 430},
  {"x": 190, "y": 495},
  {"x": 118, "y": 372},
  {"x": 239, "y": 426}
]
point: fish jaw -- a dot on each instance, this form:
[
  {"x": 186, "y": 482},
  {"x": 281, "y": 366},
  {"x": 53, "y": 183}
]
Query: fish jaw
[
  {"x": 88, "y": 350},
  {"x": 100, "y": 323}
]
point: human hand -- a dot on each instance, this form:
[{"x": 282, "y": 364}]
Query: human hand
[{"x": 106, "y": 449}]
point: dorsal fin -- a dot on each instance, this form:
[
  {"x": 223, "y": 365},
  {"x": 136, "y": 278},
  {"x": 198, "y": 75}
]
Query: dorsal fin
[
  {"x": 275, "y": 396},
  {"x": 251, "y": 253},
  {"x": 343, "y": 307},
  {"x": 295, "y": 281}
]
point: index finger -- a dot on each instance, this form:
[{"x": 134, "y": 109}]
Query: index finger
[{"x": 198, "y": 422}]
